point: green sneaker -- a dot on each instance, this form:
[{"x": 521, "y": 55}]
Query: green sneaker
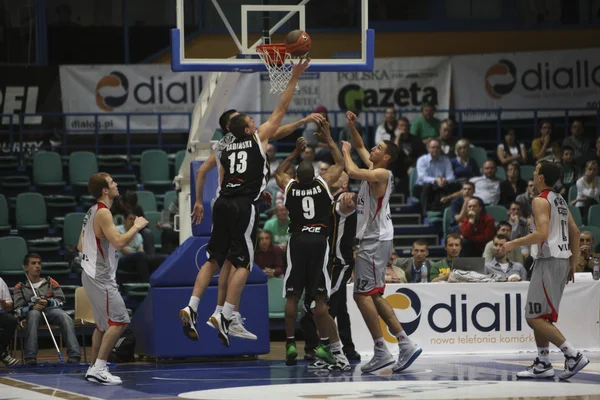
[
  {"x": 290, "y": 354},
  {"x": 324, "y": 353}
]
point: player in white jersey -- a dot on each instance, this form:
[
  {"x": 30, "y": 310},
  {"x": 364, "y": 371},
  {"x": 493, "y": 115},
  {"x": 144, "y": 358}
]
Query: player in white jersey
[
  {"x": 375, "y": 232},
  {"x": 554, "y": 241},
  {"x": 98, "y": 244}
]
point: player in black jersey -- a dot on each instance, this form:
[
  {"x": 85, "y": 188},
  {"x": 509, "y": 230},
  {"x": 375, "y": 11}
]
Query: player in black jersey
[
  {"x": 309, "y": 203},
  {"x": 341, "y": 265},
  {"x": 235, "y": 217}
]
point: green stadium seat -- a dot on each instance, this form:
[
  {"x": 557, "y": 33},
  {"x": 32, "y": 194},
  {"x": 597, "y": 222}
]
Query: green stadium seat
[
  {"x": 82, "y": 165},
  {"x": 147, "y": 200},
  {"x": 501, "y": 173},
  {"x": 31, "y": 212},
  {"x": 179, "y": 157},
  {"x": 47, "y": 169},
  {"x": 527, "y": 172},
  {"x": 154, "y": 168},
  {"x": 153, "y": 217},
  {"x": 572, "y": 193},
  {"x": 170, "y": 196},
  {"x": 72, "y": 228},
  {"x": 412, "y": 182},
  {"x": 276, "y": 299},
  {"x": 4, "y": 224},
  {"x": 479, "y": 155},
  {"x": 576, "y": 215},
  {"x": 447, "y": 220},
  {"x": 12, "y": 253},
  {"x": 593, "y": 217},
  {"x": 499, "y": 213}
]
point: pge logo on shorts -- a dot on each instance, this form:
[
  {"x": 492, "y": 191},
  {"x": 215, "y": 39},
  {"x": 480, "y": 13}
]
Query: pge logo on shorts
[
  {"x": 407, "y": 306},
  {"x": 311, "y": 229}
]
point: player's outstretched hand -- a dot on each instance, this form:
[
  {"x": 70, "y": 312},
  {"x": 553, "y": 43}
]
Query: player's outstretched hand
[
  {"x": 266, "y": 197},
  {"x": 300, "y": 144},
  {"x": 571, "y": 276},
  {"x": 324, "y": 131},
  {"x": 298, "y": 69},
  {"x": 315, "y": 117},
  {"x": 197, "y": 213},
  {"x": 140, "y": 223},
  {"x": 347, "y": 199},
  {"x": 351, "y": 117},
  {"x": 346, "y": 146}
]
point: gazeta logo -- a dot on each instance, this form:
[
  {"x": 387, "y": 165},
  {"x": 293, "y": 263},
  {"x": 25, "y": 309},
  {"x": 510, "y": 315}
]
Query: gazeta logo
[{"x": 454, "y": 314}]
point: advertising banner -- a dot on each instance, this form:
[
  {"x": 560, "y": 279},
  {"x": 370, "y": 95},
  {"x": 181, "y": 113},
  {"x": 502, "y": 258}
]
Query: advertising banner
[
  {"x": 548, "y": 79},
  {"x": 479, "y": 317}
]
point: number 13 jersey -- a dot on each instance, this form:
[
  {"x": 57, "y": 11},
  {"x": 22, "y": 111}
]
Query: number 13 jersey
[
  {"x": 245, "y": 164},
  {"x": 309, "y": 205},
  {"x": 557, "y": 245}
]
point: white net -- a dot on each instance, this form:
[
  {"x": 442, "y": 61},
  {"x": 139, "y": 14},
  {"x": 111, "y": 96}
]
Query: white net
[{"x": 277, "y": 61}]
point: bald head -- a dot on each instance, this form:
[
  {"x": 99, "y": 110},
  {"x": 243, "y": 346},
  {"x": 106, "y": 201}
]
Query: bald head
[{"x": 341, "y": 183}]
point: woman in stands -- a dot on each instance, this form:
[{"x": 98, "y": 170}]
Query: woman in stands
[
  {"x": 510, "y": 150},
  {"x": 543, "y": 148},
  {"x": 588, "y": 189}
]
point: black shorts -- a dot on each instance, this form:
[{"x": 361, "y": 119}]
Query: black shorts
[
  {"x": 233, "y": 236},
  {"x": 308, "y": 257},
  {"x": 339, "y": 275}
]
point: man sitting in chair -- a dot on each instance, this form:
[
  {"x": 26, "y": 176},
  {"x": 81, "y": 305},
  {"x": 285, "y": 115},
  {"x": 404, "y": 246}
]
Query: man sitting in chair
[
  {"x": 8, "y": 323},
  {"x": 48, "y": 298}
]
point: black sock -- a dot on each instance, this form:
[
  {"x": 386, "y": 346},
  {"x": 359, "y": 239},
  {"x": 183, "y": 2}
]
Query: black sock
[
  {"x": 291, "y": 340},
  {"x": 325, "y": 342}
]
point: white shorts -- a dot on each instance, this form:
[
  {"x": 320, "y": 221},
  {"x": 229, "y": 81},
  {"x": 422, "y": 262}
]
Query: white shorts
[{"x": 107, "y": 304}]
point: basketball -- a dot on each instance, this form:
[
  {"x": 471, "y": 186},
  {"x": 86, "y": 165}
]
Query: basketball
[{"x": 297, "y": 43}]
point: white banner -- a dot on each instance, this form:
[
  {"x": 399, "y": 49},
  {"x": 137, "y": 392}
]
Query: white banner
[
  {"x": 549, "y": 79},
  {"x": 479, "y": 317},
  {"x": 404, "y": 83}
]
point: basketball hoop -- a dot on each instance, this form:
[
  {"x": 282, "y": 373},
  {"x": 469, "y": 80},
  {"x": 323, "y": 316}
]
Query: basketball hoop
[{"x": 277, "y": 61}]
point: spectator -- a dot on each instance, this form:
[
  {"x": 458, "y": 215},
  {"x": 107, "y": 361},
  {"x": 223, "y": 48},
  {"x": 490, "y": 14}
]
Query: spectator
[
  {"x": 309, "y": 155},
  {"x": 458, "y": 206},
  {"x": 588, "y": 189},
  {"x": 409, "y": 144},
  {"x": 477, "y": 228},
  {"x": 543, "y": 148},
  {"x": 8, "y": 324},
  {"x": 596, "y": 153},
  {"x": 518, "y": 224},
  {"x": 412, "y": 266},
  {"x": 278, "y": 226},
  {"x": 447, "y": 138},
  {"x": 132, "y": 257},
  {"x": 273, "y": 161},
  {"x": 48, "y": 298},
  {"x": 510, "y": 150},
  {"x": 386, "y": 131},
  {"x": 488, "y": 185},
  {"x": 426, "y": 127},
  {"x": 394, "y": 274},
  {"x": 323, "y": 166},
  {"x": 435, "y": 177},
  {"x": 504, "y": 228},
  {"x": 587, "y": 252},
  {"x": 269, "y": 257},
  {"x": 570, "y": 172},
  {"x": 500, "y": 265},
  {"x": 440, "y": 271},
  {"x": 577, "y": 142},
  {"x": 513, "y": 185},
  {"x": 169, "y": 239},
  {"x": 320, "y": 148},
  {"x": 526, "y": 198},
  {"x": 464, "y": 166}
]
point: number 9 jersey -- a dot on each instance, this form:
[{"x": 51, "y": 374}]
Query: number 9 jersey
[
  {"x": 557, "y": 245},
  {"x": 245, "y": 164},
  {"x": 309, "y": 205}
]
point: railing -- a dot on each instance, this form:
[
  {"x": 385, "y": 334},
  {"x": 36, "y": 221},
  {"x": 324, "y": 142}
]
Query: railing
[{"x": 169, "y": 130}]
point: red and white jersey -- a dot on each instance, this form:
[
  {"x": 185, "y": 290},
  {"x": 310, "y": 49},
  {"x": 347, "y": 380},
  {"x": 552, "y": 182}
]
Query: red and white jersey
[
  {"x": 557, "y": 245},
  {"x": 99, "y": 258},
  {"x": 374, "y": 220}
]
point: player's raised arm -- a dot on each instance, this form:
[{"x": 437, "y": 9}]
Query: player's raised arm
[
  {"x": 118, "y": 240},
  {"x": 268, "y": 129},
  {"x": 205, "y": 168},
  {"x": 378, "y": 175},
  {"x": 356, "y": 139},
  {"x": 288, "y": 129},
  {"x": 281, "y": 177},
  {"x": 333, "y": 173}
]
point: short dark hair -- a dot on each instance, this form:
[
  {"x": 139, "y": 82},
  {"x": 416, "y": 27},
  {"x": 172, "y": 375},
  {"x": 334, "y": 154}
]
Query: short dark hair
[
  {"x": 261, "y": 231},
  {"x": 237, "y": 125},
  {"x": 130, "y": 198},
  {"x": 305, "y": 172},
  {"x": 29, "y": 256},
  {"x": 421, "y": 242},
  {"x": 469, "y": 184},
  {"x": 435, "y": 140},
  {"x": 132, "y": 211},
  {"x": 501, "y": 237},
  {"x": 225, "y": 118},
  {"x": 404, "y": 119},
  {"x": 97, "y": 183},
  {"x": 391, "y": 150},
  {"x": 567, "y": 148},
  {"x": 453, "y": 236},
  {"x": 503, "y": 223},
  {"x": 514, "y": 202},
  {"x": 551, "y": 172}
]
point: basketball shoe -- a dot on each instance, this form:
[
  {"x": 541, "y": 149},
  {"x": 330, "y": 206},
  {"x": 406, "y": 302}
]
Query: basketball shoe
[
  {"x": 222, "y": 326},
  {"x": 573, "y": 365},
  {"x": 382, "y": 358},
  {"x": 236, "y": 327},
  {"x": 409, "y": 352},
  {"x": 102, "y": 376},
  {"x": 189, "y": 318},
  {"x": 341, "y": 363},
  {"x": 290, "y": 354},
  {"x": 537, "y": 370},
  {"x": 8, "y": 360},
  {"x": 324, "y": 353}
]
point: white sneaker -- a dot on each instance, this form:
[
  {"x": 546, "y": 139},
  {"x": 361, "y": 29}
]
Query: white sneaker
[
  {"x": 221, "y": 324},
  {"x": 537, "y": 370},
  {"x": 88, "y": 371},
  {"x": 381, "y": 359},
  {"x": 189, "y": 318},
  {"x": 237, "y": 329},
  {"x": 573, "y": 365},
  {"x": 102, "y": 376},
  {"x": 209, "y": 318},
  {"x": 408, "y": 354},
  {"x": 341, "y": 363}
]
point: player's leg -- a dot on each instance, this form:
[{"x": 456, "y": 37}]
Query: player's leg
[
  {"x": 96, "y": 342},
  {"x": 338, "y": 308},
  {"x": 293, "y": 286}
]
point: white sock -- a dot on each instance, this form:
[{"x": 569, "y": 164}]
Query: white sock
[
  {"x": 228, "y": 310},
  {"x": 568, "y": 350},
  {"x": 336, "y": 347},
  {"x": 544, "y": 354},
  {"x": 194, "y": 301},
  {"x": 99, "y": 364},
  {"x": 380, "y": 344},
  {"x": 218, "y": 309},
  {"x": 402, "y": 338}
]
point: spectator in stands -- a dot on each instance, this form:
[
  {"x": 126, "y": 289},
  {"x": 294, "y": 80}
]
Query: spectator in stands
[
  {"x": 412, "y": 266},
  {"x": 488, "y": 185},
  {"x": 570, "y": 172},
  {"x": 435, "y": 177},
  {"x": 463, "y": 165},
  {"x": 394, "y": 274},
  {"x": 458, "y": 206},
  {"x": 477, "y": 228},
  {"x": 386, "y": 131},
  {"x": 518, "y": 224},
  {"x": 544, "y": 148},
  {"x": 505, "y": 229},
  {"x": 169, "y": 239},
  {"x": 588, "y": 189},
  {"x": 501, "y": 265},
  {"x": 8, "y": 324},
  {"x": 447, "y": 138},
  {"x": 513, "y": 185},
  {"x": 510, "y": 150},
  {"x": 577, "y": 142},
  {"x": 309, "y": 155},
  {"x": 526, "y": 198},
  {"x": 323, "y": 167},
  {"x": 440, "y": 271},
  {"x": 426, "y": 127},
  {"x": 587, "y": 252},
  {"x": 595, "y": 155},
  {"x": 409, "y": 144},
  {"x": 123, "y": 203},
  {"x": 49, "y": 299},
  {"x": 278, "y": 226},
  {"x": 269, "y": 257},
  {"x": 320, "y": 148}
]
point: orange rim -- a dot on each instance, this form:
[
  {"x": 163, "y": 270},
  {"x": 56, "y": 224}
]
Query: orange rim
[{"x": 276, "y": 53}]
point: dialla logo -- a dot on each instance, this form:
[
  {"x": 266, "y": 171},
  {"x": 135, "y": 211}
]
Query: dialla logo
[
  {"x": 500, "y": 79},
  {"x": 112, "y": 91},
  {"x": 407, "y": 306},
  {"x": 353, "y": 96}
]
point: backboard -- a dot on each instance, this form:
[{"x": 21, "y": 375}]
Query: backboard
[{"x": 231, "y": 30}]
